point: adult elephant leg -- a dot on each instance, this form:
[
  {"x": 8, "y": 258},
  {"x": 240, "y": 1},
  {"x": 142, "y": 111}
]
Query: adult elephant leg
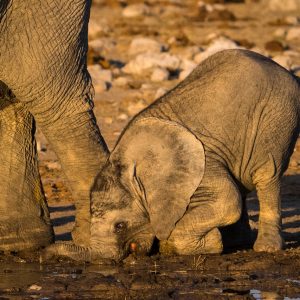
[
  {"x": 24, "y": 217},
  {"x": 216, "y": 203},
  {"x": 44, "y": 63},
  {"x": 77, "y": 141}
]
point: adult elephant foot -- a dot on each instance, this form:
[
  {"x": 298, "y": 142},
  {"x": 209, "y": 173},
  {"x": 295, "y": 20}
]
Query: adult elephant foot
[
  {"x": 268, "y": 240},
  {"x": 24, "y": 217},
  {"x": 191, "y": 245}
]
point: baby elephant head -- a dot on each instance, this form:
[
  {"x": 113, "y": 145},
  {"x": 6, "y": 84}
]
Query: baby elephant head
[{"x": 144, "y": 188}]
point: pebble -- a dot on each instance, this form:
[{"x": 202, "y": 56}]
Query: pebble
[
  {"x": 135, "y": 10},
  {"x": 159, "y": 75},
  {"x": 293, "y": 34},
  {"x": 97, "y": 29},
  {"x": 160, "y": 92},
  {"x": 135, "y": 108},
  {"x": 284, "y": 5},
  {"x": 283, "y": 60},
  {"x": 217, "y": 45},
  {"x": 121, "y": 81},
  {"x": 35, "y": 287},
  {"x": 122, "y": 117},
  {"x": 99, "y": 74},
  {"x": 143, "y": 45},
  {"x": 148, "y": 61},
  {"x": 53, "y": 165}
]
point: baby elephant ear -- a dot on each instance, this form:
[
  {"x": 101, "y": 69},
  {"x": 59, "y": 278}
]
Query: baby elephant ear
[{"x": 169, "y": 165}]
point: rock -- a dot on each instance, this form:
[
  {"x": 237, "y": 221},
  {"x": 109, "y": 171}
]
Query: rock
[
  {"x": 160, "y": 74},
  {"x": 293, "y": 34},
  {"x": 217, "y": 45},
  {"x": 35, "y": 287},
  {"x": 283, "y": 60},
  {"x": 53, "y": 165},
  {"x": 283, "y": 5},
  {"x": 135, "y": 108},
  {"x": 160, "y": 92},
  {"x": 97, "y": 29},
  {"x": 97, "y": 73},
  {"x": 274, "y": 46},
  {"x": 143, "y": 45},
  {"x": 291, "y": 20},
  {"x": 280, "y": 32},
  {"x": 187, "y": 66},
  {"x": 122, "y": 117},
  {"x": 135, "y": 10},
  {"x": 121, "y": 81},
  {"x": 40, "y": 147},
  {"x": 147, "y": 61},
  {"x": 190, "y": 52},
  {"x": 184, "y": 74},
  {"x": 216, "y": 12}
]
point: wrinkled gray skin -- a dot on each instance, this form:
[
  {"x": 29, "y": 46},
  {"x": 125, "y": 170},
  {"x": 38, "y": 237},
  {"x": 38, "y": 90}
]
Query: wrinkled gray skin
[
  {"x": 183, "y": 166},
  {"x": 44, "y": 81}
]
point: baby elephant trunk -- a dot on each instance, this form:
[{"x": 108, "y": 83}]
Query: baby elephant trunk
[{"x": 72, "y": 251}]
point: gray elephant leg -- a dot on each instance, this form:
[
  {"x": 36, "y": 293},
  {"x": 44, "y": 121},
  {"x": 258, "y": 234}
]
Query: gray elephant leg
[
  {"x": 269, "y": 229},
  {"x": 49, "y": 75},
  {"x": 216, "y": 203},
  {"x": 24, "y": 217}
]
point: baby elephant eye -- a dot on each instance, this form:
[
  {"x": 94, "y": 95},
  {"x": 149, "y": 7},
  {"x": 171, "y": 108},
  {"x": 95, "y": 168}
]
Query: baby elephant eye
[{"x": 120, "y": 227}]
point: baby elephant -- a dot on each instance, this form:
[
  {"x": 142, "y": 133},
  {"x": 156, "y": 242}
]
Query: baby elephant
[{"x": 183, "y": 167}]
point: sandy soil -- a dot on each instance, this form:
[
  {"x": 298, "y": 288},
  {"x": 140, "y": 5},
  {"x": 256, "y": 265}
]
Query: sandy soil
[{"x": 241, "y": 274}]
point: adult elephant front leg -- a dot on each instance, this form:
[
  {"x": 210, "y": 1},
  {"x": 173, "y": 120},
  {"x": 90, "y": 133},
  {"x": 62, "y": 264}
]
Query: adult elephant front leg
[
  {"x": 44, "y": 63},
  {"x": 216, "y": 203},
  {"x": 24, "y": 217}
]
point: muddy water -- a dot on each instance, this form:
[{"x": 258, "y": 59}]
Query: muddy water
[{"x": 239, "y": 275}]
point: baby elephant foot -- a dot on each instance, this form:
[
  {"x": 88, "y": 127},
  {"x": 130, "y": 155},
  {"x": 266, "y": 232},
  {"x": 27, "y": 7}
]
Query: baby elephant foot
[
  {"x": 268, "y": 240},
  {"x": 210, "y": 243}
]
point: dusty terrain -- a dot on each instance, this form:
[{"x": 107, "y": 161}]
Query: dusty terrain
[{"x": 186, "y": 33}]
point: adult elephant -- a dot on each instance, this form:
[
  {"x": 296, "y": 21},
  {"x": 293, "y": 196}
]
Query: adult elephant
[{"x": 43, "y": 47}]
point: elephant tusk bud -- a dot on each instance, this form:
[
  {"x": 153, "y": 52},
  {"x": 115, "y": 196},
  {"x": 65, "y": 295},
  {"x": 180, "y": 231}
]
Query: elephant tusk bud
[{"x": 133, "y": 247}]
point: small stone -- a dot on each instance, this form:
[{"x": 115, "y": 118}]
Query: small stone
[
  {"x": 135, "y": 10},
  {"x": 280, "y": 32},
  {"x": 121, "y": 81},
  {"x": 216, "y": 12},
  {"x": 292, "y": 20},
  {"x": 53, "y": 165},
  {"x": 35, "y": 287},
  {"x": 189, "y": 53},
  {"x": 187, "y": 64},
  {"x": 97, "y": 29},
  {"x": 283, "y": 60},
  {"x": 184, "y": 74},
  {"x": 135, "y": 108},
  {"x": 143, "y": 45},
  {"x": 159, "y": 75},
  {"x": 293, "y": 34},
  {"x": 160, "y": 92},
  {"x": 100, "y": 86},
  {"x": 122, "y": 117},
  {"x": 40, "y": 147},
  {"x": 286, "y": 5},
  {"x": 97, "y": 73},
  {"x": 221, "y": 43},
  {"x": 149, "y": 61},
  {"x": 274, "y": 46},
  {"x": 108, "y": 120}
]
